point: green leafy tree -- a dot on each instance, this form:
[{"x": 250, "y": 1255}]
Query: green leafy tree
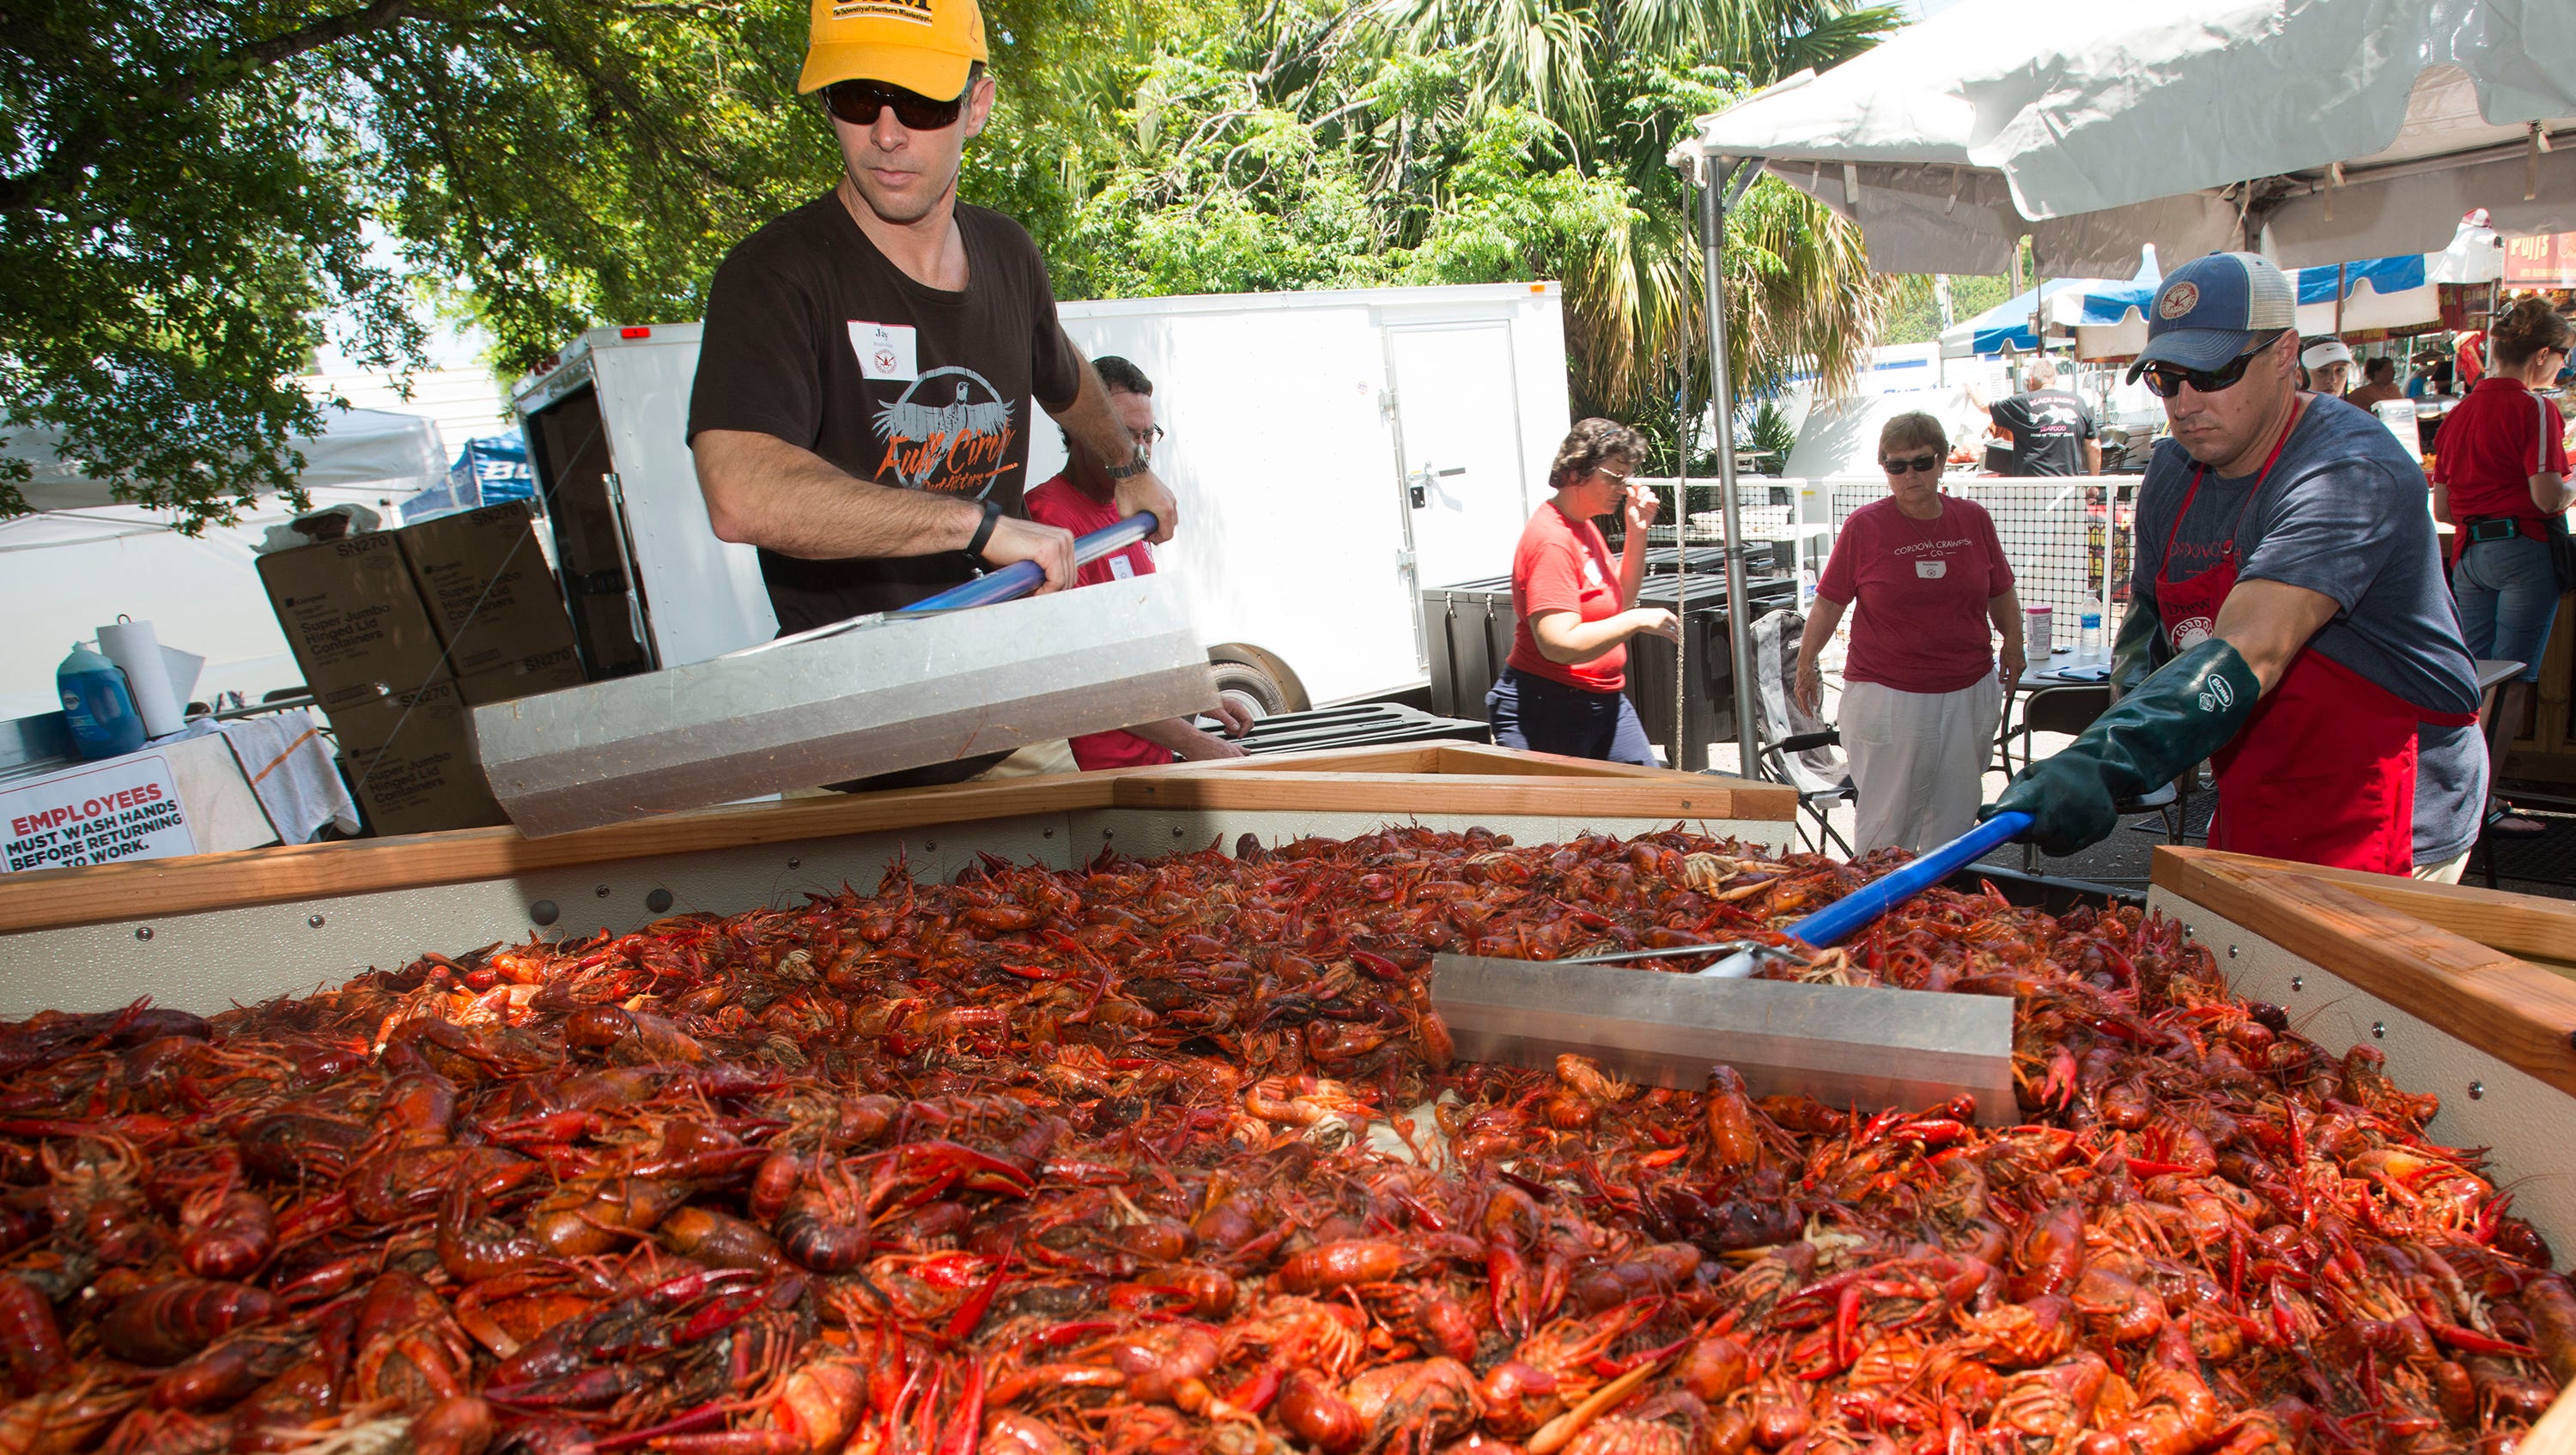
[{"x": 188, "y": 192}]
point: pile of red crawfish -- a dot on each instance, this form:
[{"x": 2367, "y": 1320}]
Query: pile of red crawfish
[{"x": 1174, "y": 1155}]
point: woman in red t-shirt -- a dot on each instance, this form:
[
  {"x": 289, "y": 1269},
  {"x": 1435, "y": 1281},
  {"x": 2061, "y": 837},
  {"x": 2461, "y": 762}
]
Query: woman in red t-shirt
[
  {"x": 1921, "y": 691},
  {"x": 1573, "y": 610},
  {"x": 2500, "y": 476}
]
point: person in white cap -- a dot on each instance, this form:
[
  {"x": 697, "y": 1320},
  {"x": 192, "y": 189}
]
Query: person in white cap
[
  {"x": 2329, "y": 366},
  {"x": 869, "y": 360},
  {"x": 2287, "y": 579}
]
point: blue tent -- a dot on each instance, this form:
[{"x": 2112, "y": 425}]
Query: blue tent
[
  {"x": 2006, "y": 325},
  {"x": 2112, "y": 303},
  {"x": 2385, "y": 275}
]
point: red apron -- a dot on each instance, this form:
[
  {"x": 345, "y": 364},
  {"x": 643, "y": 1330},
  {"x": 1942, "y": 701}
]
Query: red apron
[{"x": 2324, "y": 771}]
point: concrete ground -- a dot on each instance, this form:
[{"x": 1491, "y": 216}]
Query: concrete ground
[{"x": 2123, "y": 859}]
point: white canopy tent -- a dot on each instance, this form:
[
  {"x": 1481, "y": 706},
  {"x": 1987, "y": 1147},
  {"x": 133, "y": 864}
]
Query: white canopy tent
[
  {"x": 2315, "y": 131},
  {"x": 81, "y": 559},
  {"x": 360, "y": 449}
]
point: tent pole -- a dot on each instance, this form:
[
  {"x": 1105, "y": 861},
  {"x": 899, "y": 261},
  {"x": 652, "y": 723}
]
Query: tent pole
[{"x": 1717, "y": 193}]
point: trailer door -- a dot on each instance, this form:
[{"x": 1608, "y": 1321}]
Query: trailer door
[{"x": 1464, "y": 481}]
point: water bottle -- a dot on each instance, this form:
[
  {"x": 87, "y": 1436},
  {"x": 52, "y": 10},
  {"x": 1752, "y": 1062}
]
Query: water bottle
[
  {"x": 103, "y": 720},
  {"x": 2092, "y": 631}
]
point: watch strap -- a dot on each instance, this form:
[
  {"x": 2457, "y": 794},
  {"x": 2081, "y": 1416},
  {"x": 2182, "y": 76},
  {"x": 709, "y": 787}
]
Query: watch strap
[
  {"x": 1128, "y": 471},
  {"x": 984, "y": 530}
]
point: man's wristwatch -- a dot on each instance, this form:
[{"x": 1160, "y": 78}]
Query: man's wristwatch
[
  {"x": 1128, "y": 471},
  {"x": 983, "y": 530}
]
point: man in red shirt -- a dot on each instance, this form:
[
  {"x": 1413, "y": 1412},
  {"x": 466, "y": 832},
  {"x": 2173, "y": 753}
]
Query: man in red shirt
[{"x": 1082, "y": 498}]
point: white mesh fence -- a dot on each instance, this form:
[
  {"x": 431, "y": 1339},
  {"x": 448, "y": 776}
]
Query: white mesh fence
[{"x": 2066, "y": 538}]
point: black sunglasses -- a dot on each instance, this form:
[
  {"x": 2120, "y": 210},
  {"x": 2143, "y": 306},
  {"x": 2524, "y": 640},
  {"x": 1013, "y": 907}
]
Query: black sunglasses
[
  {"x": 1928, "y": 464},
  {"x": 860, "y": 102},
  {"x": 2165, "y": 381}
]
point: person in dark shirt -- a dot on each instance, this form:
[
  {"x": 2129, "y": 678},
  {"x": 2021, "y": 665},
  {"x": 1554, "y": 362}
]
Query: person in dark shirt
[
  {"x": 869, "y": 361},
  {"x": 2378, "y": 385},
  {"x": 2052, "y": 432}
]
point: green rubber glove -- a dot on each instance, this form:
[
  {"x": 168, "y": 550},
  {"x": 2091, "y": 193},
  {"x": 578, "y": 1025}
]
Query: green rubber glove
[
  {"x": 2133, "y": 652},
  {"x": 2187, "y": 710}
]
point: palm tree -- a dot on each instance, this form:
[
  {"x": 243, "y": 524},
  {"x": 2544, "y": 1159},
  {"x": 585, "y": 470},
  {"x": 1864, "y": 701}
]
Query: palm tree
[{"x": 1618, "y": 80}]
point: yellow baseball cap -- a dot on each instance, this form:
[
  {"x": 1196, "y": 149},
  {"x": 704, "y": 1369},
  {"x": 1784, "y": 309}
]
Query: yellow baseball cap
[{"x": 920, "y": 45}]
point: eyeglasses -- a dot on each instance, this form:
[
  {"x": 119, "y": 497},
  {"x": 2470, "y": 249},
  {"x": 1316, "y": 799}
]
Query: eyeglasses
[
  {"x": 1611, "y": 475},
  {"x": 1927, "y": 464},
  {"x": 2165, "y": 381},
  {"x": 860, "y": 103},
  {"x": 1146, "y": 439}
]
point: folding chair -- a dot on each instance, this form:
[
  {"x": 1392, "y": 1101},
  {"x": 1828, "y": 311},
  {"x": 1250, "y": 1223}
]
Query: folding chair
[
  {"x": 1798, "y": 749},
  {"x": 2070, "y": 710}
]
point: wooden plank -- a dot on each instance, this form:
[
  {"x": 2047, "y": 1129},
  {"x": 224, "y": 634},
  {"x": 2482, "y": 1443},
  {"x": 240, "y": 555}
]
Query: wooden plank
[
  {"x": 1682, "y": 796},
  {"x": 1483, "y": 758},
  {"x": 53, "y": 898},
  {"x": 2519, "y": 924},
  {"x": 1395, "y": 758},
  {"x": 2517, "y": 1012},
  {"x": 2556, "y": 1432},
  {"x": 1354, "y": 779}
]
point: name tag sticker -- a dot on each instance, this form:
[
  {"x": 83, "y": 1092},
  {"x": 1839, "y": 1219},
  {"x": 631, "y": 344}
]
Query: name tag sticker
[
  {"x": 1120, "y": 567},
  {"x": 1931, "y": 570},
  {"x": 885, "y": 350}
]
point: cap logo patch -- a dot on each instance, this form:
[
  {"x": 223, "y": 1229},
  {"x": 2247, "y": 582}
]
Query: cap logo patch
[
  {"x": 917, "y": 11},
  {"x": 2178, "y": 300}
]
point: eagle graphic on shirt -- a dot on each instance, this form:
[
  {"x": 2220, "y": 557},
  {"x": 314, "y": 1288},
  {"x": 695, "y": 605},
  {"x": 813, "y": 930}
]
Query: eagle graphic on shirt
[{"x": 950, "y": 431}]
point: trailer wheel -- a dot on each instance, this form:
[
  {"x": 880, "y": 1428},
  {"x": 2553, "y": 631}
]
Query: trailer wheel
[{"x": 1251, "y": 687}]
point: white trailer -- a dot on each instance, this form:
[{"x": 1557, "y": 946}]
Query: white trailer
[{"x": 1333, "y": 453}]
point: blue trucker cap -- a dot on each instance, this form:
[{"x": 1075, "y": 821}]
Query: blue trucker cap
[{"x": 2211, "y": 309}]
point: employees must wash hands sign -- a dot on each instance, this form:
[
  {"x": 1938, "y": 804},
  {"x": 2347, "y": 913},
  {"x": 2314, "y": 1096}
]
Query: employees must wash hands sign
[{"x": 127, "y": 809}]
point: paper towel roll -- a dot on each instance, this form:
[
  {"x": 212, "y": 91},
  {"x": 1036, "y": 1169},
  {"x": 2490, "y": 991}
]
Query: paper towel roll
[{"x": 131, "y": 646}]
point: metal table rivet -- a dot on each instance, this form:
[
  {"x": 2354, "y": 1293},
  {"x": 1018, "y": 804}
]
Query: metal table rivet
[
  {"x": 143, "y": 932},
  {"x": 2477, "y": 1090},
  {"x": 544, "y": 912},
  {"x": 601, "y": 891},
  {"x": 796, "y": 863},
  {"x": 2298, "y": 982},
  {"x": 1109, "y": 833},
  {"x": 2231, "y": 952},
  {"x": 1046, "y": 833},
  {"x": 2379, "y": 1030},
  {"x": 658, "y": 901},
  {"x": 1176, "y": 831},
  {"x": 930, "y": 846},
  {"x": 314, "y": 920},
  {"x": 2186, "y": 932}
]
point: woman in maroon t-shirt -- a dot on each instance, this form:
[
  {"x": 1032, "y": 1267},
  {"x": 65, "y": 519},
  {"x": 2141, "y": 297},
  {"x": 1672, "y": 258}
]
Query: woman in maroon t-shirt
[
  {"x": 1922, "y": 693},
  {"x": 2500, "y": 476}
]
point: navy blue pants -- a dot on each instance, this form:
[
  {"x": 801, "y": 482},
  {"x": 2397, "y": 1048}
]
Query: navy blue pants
[{"x": 1543, "y": 715}]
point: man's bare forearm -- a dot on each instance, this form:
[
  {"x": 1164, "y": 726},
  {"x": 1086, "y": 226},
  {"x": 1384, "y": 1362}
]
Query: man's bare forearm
[{"x": 763, "y": 491}]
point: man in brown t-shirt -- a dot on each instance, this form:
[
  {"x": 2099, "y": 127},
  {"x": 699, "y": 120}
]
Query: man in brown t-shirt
[{"x": 869, "y": 360}]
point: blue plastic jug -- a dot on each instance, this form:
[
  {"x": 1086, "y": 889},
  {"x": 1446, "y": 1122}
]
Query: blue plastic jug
[{"x": 104, "y": 722}]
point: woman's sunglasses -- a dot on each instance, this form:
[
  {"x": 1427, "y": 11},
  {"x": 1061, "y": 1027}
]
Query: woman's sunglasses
[
  {"x": 860, "y": 102},
  {"x": 1927, "y": 464},
  {"x": 2165, "y": 381}
]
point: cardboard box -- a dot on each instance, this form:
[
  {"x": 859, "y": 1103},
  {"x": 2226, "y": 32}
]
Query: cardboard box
[
  {"x": 353, "y": 619},
  {"x": 411, "y": 761},
  {"x": 543, "y": 672},
  {"x": 491, "y": 596}
]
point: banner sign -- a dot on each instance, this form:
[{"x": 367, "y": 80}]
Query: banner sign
[
  {"x": 2547, "y": 261},
  {"x": 124, "y": 809}
]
